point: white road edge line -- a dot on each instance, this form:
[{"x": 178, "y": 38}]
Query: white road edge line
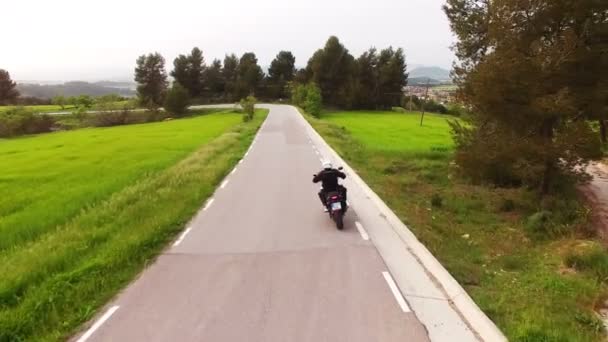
[
  {"x": 98, "y": 324},
  {"x": 181, "y": 237},
  {"x": 233, "y": 171},
  {"x": 396, "y": 292},
  {"x": 208, "y": 204},
  {"x": 362, "y": 231},
  {"x": 224, "y": 183}
]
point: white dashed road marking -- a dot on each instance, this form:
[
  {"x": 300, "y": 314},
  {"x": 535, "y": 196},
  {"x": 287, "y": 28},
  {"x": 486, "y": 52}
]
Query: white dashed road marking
[
  {"x": 396, "y": 292},
  {"x": 362, "y": 231}
]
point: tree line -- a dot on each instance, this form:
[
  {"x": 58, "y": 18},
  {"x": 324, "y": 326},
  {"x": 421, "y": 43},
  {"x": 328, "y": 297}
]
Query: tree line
[{"x": 374, "y": 80}]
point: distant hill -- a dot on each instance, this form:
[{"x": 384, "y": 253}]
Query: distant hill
[
  {"x": 75, "y": 88},
  {"x": 435, "y": 73}
]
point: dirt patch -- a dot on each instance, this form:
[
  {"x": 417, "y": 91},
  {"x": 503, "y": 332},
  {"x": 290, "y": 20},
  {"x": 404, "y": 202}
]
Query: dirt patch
[{"x": 596, "y": 194}]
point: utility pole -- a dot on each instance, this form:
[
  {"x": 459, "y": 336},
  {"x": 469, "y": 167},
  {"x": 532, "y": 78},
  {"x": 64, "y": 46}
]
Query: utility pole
[{"x": 426, "y": 96}]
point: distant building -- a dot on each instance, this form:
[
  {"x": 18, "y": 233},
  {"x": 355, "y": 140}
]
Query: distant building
[{"x": 444, "y": 94}]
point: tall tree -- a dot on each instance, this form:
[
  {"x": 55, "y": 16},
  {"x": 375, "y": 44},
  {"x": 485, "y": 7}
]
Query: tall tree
[
  {"x": 188, "y": 71},
  {"x": 181, "y": 71},
  {"x": 229, "y": 74},
  {"x": 282, "y": 71},
  {"x": 197, "y": 67},
  {"x": 366, "y": 83},
  {"x": 392, "y": 77},
  {"x": 526, "y": 69},
  {"x": 8, "y": 90},
  {"x": 249, "y": 75},
  {"x": 213, "y": 78},
  {"x": 332, "y": 69},
  {"x": 151, "y": 79}
]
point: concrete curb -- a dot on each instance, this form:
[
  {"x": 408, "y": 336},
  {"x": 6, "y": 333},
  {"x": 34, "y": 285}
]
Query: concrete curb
[{"x": 478, "y": 322}]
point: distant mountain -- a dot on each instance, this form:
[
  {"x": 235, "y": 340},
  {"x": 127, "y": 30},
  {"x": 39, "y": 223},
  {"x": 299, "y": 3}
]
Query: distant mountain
[
  {"x": 76, "y": 88},
  {"x": 435, "y": 73}
]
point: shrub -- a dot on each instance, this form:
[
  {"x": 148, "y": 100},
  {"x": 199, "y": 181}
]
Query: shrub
[
  {"x": 313, "y": 101},
  {"x": 108, "y": 119},
  {"x": 248, "y": 106},
  {"x": 20, "y": 121},
  {"x": 593, "y": 260},
  {"x": 177, "y": 99},
  {"x": 507, "y": 205},
  {"x": 308, "y": 96},
  {"x": 436, "y": 201}
]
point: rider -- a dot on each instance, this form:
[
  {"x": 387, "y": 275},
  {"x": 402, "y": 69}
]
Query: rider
[{"x": 329, "y": 178}]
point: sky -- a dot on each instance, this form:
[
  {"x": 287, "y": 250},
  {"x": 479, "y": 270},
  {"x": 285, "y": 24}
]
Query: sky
[{"x": 100, "y": 40}]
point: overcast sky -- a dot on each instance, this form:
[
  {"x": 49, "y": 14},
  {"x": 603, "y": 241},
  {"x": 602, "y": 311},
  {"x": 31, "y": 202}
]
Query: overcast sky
[{"x": 90, "y": 40}]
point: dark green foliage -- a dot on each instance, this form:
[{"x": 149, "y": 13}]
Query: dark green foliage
[
  {"x": 248, "y": 106},
  {"x": 374, "y": 80},
  {"x": 84, "y": 101},
  {"x": 213, "y": 79},
  {"x": 531, "y": 72},
  {"x": 332, "y": 69},
  {"x": 308, "y": 96},
  {"x": 229, "y": 75},
  {"x": 20, "y": 121},
  {"x": 151, "y": 79},
  {"x": 188, "y": 71},
  {"x": 249, "y": 75},
  {"x": 282, "y": 71},
  {"x": 197, "y": 67},
  {"x": 437, "y": 201},
  {"x": 59, "y": 101},
  {"x": 507, "y": 205},
  {"x": 177, "y": 100},
  {"x": 8, "y": 90},
  {"x": 392, "y": 77}
]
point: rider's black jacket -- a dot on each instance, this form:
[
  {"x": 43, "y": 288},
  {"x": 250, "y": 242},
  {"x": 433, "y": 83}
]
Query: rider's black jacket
[{"x": 329, "y": 179}]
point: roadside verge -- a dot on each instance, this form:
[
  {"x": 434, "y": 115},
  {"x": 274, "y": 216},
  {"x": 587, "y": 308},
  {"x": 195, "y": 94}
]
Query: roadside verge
[{"x": 438, "y": 300}]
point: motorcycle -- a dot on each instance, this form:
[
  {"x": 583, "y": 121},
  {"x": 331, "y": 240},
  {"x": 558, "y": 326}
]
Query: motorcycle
[{"x": 336, "y": 207}]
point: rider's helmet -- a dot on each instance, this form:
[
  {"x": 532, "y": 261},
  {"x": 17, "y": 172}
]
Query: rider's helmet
[{"x": 327, "y": 165}]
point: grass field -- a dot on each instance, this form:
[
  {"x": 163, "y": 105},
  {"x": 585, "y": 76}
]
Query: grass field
[
  {"x": 54, "y": 108},
  {"x": 85, "y": 210},
  {"x": 529, "y": 286}
]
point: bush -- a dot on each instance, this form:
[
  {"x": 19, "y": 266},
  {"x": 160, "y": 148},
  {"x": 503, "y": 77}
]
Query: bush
[
  {"x": 177, "y": 100},
  {"x": 308, "y": 96},
  {"x": 313, "y": 102},
  {"x": 436, "y": 201},
  {"x": 507, "y": 205},
  {"x": 20, "y": 121},
  {"x": 124, "y": 117},
  {"x": 594, "y": 260},
  {"x": 248, "y": 106}
]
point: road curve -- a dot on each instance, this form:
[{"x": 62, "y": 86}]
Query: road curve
[{"x": 262, "y": 262}]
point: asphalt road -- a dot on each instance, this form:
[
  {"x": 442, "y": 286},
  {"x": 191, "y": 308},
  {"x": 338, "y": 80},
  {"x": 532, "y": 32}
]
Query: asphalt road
[{"x": 262, "y": 262}]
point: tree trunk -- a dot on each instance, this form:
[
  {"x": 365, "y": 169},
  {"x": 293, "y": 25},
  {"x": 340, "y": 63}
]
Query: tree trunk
[
  {"x": 602, "y": 131},
  {"x": 547, "y": 179},
  {"x": 549, "y": 168}
]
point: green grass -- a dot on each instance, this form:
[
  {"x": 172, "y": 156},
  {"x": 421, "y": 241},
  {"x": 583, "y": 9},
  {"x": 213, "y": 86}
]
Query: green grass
[
  {"x": 54, "y": 108},
  {"x": 87, "y": 209},
  {"x": 532, "y": 288}
]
